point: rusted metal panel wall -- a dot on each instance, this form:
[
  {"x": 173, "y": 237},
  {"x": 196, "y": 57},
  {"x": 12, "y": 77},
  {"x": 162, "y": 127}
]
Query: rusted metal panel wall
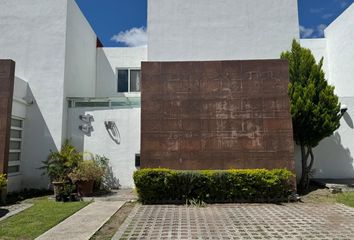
[
  {"x": 216, "y": 115},
  {"x": 7, "y": 74}
]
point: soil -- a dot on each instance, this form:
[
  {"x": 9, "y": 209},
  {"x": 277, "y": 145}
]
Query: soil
[{"x": 108, "y": 230}]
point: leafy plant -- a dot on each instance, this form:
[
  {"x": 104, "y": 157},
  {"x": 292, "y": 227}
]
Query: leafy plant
[
  {"x": 3, "y": 181},
  {"x": 315, "y": 108},
  {"x": 59, "y": 164},
  {"x": 195, "y": 203},
  {"x": 87, "y": 170},
  {"x": 65, "y": 193},
  {"x": 210, "y": 186}
]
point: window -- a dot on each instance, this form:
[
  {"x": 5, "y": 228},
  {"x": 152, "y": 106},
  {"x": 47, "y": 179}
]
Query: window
[
  {"x": 129, "y": 80},
  {"x": 16, "y": 134}
]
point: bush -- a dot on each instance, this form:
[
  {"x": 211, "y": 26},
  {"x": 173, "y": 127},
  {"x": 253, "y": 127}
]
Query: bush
[
  {"x": 173, "y": 186},
  {"x": 60, "y": 164},
  {"x": 87, "y": 170},
  {"x": 3, "y": 181}
]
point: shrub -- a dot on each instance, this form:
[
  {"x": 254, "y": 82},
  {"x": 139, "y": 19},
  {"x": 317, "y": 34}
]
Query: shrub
[
  {"x": 87, "y": 170},
  {"x": 3, "y": 181},
  {"x": 60, "y": 164},
  {"x": 213, "y": 186}
]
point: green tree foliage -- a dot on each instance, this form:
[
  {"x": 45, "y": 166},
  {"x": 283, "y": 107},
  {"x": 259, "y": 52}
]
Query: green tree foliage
[{"x": 315, "y": 108}]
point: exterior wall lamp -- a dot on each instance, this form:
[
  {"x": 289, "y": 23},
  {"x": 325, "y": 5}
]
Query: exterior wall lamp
[{"x": 343, "y": 109}]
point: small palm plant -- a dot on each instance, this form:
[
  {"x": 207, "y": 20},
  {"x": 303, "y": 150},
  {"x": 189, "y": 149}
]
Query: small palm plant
[{"x": 59, "y": 164}]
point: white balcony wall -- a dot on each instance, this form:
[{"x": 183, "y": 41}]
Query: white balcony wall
[
  {"x": 122, "y": 155},
  {"x": 108, "y": 60}
]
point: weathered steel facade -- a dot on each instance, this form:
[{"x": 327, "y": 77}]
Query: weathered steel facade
[
  {"x": 216, "y": 115},
  {"x": 7, "y": 75}
]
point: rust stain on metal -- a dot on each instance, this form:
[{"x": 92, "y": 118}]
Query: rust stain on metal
[{"x": 216, "y": 115}]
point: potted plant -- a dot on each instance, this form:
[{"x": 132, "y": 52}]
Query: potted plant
[
  {"x": 86, "y": 173},
  {"x": 58, "y": 166},
  {"x": 3, "y": 183}
]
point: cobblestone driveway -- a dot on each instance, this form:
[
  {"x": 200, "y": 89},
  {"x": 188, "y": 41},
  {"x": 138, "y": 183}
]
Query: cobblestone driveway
[{"x": 239, "y": 221}]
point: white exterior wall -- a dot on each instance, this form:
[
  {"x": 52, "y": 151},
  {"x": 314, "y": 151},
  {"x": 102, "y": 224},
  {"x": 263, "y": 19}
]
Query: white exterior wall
[
  {"x": 334, "y": 155},
  {"x": 220, "y": 30},
  {"x": 318, "y": 47},
  {"x": 122, "y": 156},
  {"x": 340, "y": 50},
  {"x": 33, "y": 34},
  {"x": 80, "y": 60},
  {"x": 108, "y": 60},
  {"x": 55, "y": 52}
]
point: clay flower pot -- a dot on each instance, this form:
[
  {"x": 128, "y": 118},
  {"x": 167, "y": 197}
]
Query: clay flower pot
[{"x": 85, "y": 188}]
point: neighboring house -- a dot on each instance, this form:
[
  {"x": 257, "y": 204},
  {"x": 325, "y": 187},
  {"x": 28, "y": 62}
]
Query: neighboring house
[{"x": 64, "y": 75}]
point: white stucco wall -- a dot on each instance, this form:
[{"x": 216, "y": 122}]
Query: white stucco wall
[
  {"x": 19, "y": 97},
  {"x": 108, "y": 60},
  {"x": 33, "y": 34},
  {"x": 318, "y": 47},
  {"x": 220, "y": 30},
  {"x": 334, "y": 157},
  {"x": 122, "y": 156},
  {"x": 80, "y": 58},
  {"x": 340, "y": 50}
]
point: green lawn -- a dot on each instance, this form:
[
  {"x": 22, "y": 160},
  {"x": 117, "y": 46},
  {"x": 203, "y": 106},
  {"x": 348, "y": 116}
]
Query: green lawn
[
  {"x": 346, "y": 198},
  {"x": 32, "y": 222}
]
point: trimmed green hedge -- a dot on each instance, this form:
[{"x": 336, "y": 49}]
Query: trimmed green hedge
[{"x": 173, "y": 186}]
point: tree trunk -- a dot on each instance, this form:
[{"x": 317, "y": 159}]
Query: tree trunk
[{"x": 306, "y": 152}]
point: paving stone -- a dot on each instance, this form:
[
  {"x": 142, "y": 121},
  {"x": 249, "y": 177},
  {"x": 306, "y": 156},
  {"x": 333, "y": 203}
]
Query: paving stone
[
  {"x": 239, "y": 221},
  {"x": 8, "y": 211}
]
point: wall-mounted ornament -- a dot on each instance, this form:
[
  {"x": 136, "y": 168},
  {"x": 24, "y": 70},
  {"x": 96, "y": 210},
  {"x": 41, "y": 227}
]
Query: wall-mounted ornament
[
  {"x": 86, "y": 128},
  {"x": 86, "y": 118},
  {"x": 113, "y": 131}
]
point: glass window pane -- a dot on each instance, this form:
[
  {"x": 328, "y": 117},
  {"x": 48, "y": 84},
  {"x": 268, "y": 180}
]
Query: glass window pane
[
  {"x": 14, "y": 145},
  {"x": 16, "y": 123},
  {"x": 14, "y": 156},
  {"x": 123, "y": 80},
  {"x": 135, "y": 77},
  {"x": 16, "y": 133},
  {"x": 13, "y": 169}
]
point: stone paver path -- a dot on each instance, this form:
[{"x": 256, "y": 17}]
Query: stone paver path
[
  {"x": 84, "y": 223},
  {"x": 239, "y": 221},
  {"x": 8, "y": 211}
]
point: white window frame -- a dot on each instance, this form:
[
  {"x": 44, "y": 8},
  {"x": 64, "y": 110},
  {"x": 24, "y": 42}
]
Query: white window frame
[
  {"x": 16, "y": 163},
  {"x": 129, "y": 69}
]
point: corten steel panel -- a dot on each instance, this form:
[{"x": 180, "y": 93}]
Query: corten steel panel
[
  {"x": 7, "y": 74},
  {"x": 216, "y": 115}
]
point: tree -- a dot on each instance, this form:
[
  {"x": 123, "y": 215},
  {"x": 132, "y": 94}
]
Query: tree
[{"x": 315, "y": 108}]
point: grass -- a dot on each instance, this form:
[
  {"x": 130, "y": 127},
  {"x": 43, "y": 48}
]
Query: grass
[
  {"x": 323, "y": 195},
  {"x": 39, "y": 218},
  {"x": 346, "y": 198},
  {"x": 108, "y": 230}
]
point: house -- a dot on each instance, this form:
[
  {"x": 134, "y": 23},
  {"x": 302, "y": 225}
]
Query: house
[{"x": 67, "y": 86}]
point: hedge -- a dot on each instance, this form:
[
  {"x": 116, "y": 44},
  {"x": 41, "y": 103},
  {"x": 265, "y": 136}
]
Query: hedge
[{"x": 213, "y": 186}]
